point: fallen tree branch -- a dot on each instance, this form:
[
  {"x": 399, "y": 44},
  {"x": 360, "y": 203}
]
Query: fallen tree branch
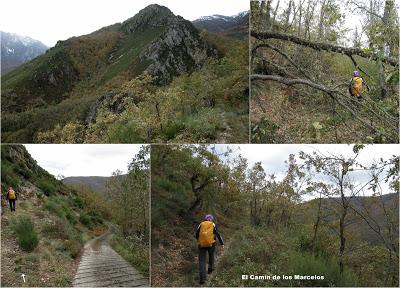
[
  {"x": 329, "y": 91},
  {"x": 323, "y": 46},
  {"x": 290, "y": 82}
]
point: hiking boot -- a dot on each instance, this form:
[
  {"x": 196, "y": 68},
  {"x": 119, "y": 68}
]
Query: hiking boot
[
  {"x": 202, "y": 282},
  {"x": 210, "y": 270}
]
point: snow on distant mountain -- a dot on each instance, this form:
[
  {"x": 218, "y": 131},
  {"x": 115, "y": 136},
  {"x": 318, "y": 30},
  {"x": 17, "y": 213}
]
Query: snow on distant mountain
[
  {"x": 17, "y": 50},
  {"x": 221, "y": 23}
]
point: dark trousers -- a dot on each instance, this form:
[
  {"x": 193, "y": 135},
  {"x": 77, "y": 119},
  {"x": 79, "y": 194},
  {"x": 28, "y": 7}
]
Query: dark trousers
[
  {"x": 12, "y": 204},
  {"x": 203, "y": 259}
]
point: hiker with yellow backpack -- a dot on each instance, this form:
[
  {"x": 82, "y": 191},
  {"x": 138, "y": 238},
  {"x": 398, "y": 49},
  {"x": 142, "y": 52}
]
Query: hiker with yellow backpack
[
  {"x": 356, "y": 85},
  {"x": 206, "y": 235},
  {"x": 11, "y": 196}
]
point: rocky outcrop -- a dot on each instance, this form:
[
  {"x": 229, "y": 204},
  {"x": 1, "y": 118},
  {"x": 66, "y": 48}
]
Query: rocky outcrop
[
  {"x": 152, "y": 16},
  {"x": 113, "y": 102},
  {"x": 179, "y": 50}
]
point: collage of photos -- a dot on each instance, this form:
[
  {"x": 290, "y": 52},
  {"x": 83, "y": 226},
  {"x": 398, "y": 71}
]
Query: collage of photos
[{"x": 169, "y": 143}]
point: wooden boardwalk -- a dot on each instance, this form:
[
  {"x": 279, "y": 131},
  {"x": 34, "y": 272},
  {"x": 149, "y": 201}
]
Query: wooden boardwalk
[{"x": 101, "y": 266}]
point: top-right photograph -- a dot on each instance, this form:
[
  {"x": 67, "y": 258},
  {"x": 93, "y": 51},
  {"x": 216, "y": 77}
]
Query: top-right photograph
[{"x": 324, "y": 71}]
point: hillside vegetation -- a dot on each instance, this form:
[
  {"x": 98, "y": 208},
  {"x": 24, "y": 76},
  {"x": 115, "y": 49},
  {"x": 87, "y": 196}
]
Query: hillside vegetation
[
  {"x": 302, "y": 61},
  {"x": 267, "y": 226},
  {"x": 152, "y": 78},
  {"x": 44, "y": 238}
]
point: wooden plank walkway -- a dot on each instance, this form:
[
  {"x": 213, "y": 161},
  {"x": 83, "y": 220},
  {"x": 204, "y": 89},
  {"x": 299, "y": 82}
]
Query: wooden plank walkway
[{"x": 101, "y": 266}]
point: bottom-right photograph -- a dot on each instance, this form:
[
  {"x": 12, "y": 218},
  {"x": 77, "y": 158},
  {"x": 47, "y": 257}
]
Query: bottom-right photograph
[{"x": 275, "y": 215}]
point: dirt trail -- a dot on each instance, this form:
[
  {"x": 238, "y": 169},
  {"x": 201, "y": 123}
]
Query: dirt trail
[
  {"x": 217, "y": 267},
  {"x": 101, "y": 266}
]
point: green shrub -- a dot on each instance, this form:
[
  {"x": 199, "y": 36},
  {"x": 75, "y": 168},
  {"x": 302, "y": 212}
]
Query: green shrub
[
  {"x": 71, "y": 218},
  {"x": 8, "y": 175},
  {"x": 96, "y": 217},
  {"x": 47, "y": 186},
  {"x": 62, "y": 230},
  {"x": 86, "y": 220},
  {"x": 23, "y": 170},
  {"x": 205, "y": 124},
  {"x": 307, "y": 264},
  {"x": 73, "y": 246},
  {"x": 27, "y": 237},
  {"x": 52, "y": 206},
  {"x": 264, "y": 131},
  {"x": 78, "y": 202},
  {"x": 173, "y": 129},
  {"x": 132, "y": 250},
  {"x": 49, "y": 229}
]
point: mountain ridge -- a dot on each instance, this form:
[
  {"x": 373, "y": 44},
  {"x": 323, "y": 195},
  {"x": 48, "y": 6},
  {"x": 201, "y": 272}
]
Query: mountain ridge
[
  {"x": 17, "y": 50},
  {"x": 234, "y": 26},
  {"x": 96, "y": 183}
]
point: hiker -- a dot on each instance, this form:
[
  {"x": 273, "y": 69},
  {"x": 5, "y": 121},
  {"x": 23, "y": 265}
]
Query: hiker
[
  {"x": 206, "y": 234},
  {"x": 356, "y": 85},
  {"x": 11, "y": 196}
]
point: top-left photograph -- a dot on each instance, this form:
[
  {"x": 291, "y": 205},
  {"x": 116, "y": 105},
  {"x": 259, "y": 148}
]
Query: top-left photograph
[{"x": 124, "y": 71}]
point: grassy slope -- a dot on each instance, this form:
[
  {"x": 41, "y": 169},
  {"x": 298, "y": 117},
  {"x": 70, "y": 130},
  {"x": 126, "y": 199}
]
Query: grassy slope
[
  {"x": 58, "y": 218},
  {"x": 54, "y": 261}
]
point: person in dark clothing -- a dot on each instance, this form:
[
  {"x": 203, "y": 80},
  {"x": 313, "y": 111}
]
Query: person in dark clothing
[
  {"x": 11, "y": 196},
  {"x": 206, "y": 235}
]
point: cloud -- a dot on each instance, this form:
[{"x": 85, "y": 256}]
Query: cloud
[
  {"x": 83, "y": 159},
  {"x": 273, "y": 156}
]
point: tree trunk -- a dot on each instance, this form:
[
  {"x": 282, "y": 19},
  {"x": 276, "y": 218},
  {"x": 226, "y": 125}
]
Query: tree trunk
[
  {"x": 342, "y": 239},
  {"x": 300, "y": 18},
  {"x": 276, "y": 9},
  {"x": 321, "y": 20},
  {"x": 316, "y": 225},
  {"x": 382, "y": 83}
]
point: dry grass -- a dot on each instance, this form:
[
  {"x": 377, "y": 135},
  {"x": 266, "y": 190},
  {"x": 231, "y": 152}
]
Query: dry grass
[{"x": 295, "y": 114}]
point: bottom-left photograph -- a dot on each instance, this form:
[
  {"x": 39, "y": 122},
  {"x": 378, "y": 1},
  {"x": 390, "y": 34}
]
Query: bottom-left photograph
[{"x": 75, "y": 215}]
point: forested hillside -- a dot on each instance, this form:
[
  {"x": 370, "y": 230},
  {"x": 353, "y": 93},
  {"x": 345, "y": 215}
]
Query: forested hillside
[
  {"x": 152, "y": 78},
  {"x": 303, "y": 57},
  {"x": 45, "y": 236},
  {"x": 269, "y": 226}
]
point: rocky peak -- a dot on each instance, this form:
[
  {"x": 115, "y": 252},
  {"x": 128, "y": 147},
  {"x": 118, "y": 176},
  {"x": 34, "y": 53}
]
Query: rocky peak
[
  {"x": 180, "y": 49},
  {"x": 152, "y": 16}
]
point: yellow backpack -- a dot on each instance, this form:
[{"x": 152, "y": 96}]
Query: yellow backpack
[
  {"x": 206, "y": 234},
  {"x": 356, "y": 85},
  {"x": 11, "y": 194}
]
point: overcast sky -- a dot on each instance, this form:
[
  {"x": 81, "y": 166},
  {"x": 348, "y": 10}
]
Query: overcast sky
[
  {"x": 49, "y": 20},
  {"x": 273, "y": 156},
  {"x": 352, "y": 20},
  {"x": 83, "y": 160}
]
